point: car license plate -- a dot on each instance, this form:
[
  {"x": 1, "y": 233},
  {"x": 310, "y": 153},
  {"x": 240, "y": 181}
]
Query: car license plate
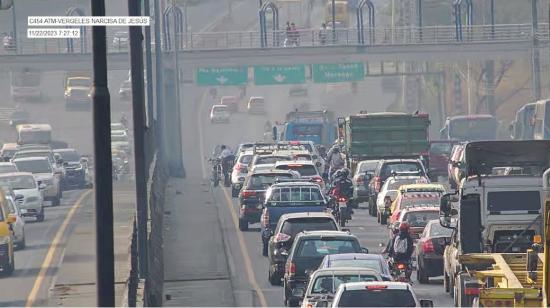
[{"x": 342, "y": 204}]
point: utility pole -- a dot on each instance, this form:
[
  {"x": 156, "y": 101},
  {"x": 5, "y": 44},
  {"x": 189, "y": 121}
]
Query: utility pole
[
  {"x": 14, "y": 25},
  {"x": 138, "y": 111},
  {"x": 333, "y": 21},
  {"x": 148, "y": 66},
  {"x": 159, "y": 86},
  {"x": 105, "y": 265}
]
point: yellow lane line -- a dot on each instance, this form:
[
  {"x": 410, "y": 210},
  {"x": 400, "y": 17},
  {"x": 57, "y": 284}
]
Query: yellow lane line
[
  {"x": 246, "y": 258},
  {"x": 52, "y": 250}
]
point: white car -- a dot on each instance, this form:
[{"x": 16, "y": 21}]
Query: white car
[
  {"x": 390, "y": 189},
  {"x": 306, "y": 169},
  {"x": 120, "y": 141},
  {"x": 360, "y": 188},
  {"x": 377, "y": 294},
  {"x": 256, "y": 105},
  {"x": 239, "y": 172},
  {"x": 323, "y": 283},
  {"x": 28, "y": 194},
  {"x": 7, "y": 167},
  {"x": 41, "y": 169},
  {"x": 219, "y": 114},
  {"x": 19, "y": 225}
]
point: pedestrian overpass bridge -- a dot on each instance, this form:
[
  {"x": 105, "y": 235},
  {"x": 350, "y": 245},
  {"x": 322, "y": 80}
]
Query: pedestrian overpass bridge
[{"x": 427, "y": 44}]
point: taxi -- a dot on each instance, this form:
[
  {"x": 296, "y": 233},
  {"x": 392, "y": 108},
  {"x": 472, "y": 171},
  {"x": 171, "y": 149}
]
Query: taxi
[{"x": 415, "y": 194}]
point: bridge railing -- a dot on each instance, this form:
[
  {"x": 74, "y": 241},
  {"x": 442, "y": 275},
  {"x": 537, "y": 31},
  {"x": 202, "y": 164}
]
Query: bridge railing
[{"x": 378, "y": 36}]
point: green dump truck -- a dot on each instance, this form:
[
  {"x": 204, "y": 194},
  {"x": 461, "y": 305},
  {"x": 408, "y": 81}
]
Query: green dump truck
[{"x": 383, "y": 135}]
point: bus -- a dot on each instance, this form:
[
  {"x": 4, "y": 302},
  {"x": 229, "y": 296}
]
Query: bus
[
  {"x": 25, "y": 84},
  {"x": 470, "y": 128},
  {"x": 522, "y": 127},
  {"x": 541, "y": 129}
]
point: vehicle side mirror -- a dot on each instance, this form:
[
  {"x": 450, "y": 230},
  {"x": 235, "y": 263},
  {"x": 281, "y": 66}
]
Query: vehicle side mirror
[
  {"x": 426, "y": 303},
  {"x": 364, "y": 250},
  {"x": 11, "y": 219}
]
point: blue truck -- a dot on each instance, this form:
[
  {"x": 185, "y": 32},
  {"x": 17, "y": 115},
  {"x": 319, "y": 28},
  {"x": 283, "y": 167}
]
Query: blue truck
[{"x": 316, "y": 126}]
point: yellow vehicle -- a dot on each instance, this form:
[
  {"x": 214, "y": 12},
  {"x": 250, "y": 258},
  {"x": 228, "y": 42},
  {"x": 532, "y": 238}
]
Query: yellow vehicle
[
  {"x": 34, "y": 134},
  {"x": 415, "y": 189},
  {"x": 7, "y": 257},
  {"x": 341, "y": 14}
]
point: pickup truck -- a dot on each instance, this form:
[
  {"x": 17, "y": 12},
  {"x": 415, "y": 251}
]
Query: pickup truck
[{"x": 290, "y": 197}]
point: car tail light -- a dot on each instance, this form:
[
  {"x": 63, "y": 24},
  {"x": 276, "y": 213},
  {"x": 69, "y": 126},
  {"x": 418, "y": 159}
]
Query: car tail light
[
  {"x": 290, "y": 269},
  {"x": 281, "y": 237},
  {"x": 247, "y": 194},
  {"x": 377, "y": 183},
  {"x": 240, "y": 168},
  {"x": 428, "y": 246},
  {"x": 401, "y": 266},
  {"x": 318, "y": 179},
  {"x": 472, "y": 291},
  {"x": 342, "y": 199},
  {"x": 265, "y": 218}
]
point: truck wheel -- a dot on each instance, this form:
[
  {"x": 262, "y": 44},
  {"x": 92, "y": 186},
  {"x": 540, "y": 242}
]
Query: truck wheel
[{"x": 460, "y": 298}]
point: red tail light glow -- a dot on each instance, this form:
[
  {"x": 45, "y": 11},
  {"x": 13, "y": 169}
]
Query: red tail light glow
[
  {"x": 472, "y": 291},
  {"x": 290, "y": 268},
  {"x": 376, "y": 287},
  {"x": 342, "y": 199},
  {"x": 401, "y": 266},
  {"x": 318, "y": 179},
  {"x": 281, "y": 237},
  {"x": 377, "y": 183},
  {"x": 428, "y": 246},
  {"x": 247, "y": 193}
]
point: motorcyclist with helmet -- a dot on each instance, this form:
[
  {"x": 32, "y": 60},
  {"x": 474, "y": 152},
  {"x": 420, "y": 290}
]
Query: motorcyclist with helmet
[
  {"x": 401, "y": 248},
  {"x": 342, "y": 187},
  {"x": 335, "y": 160}
]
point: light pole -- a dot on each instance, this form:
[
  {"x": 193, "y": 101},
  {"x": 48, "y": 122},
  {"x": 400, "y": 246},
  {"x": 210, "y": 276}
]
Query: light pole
[
  {"x": 333, "y": 21},
  {"x": 105, "y": 257},
  {"x": 14, "y": 25}
]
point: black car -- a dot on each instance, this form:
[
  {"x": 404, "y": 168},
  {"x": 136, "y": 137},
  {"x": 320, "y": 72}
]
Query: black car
[
  {"x": 429, "y": 250},
  {"x": 75, "y": 170},
  {"x": 387, "y": 167},
  {"x": 307, "y": 253},
  {"x": 252, "y": 194},
  {"x": 283, "y": 236}
]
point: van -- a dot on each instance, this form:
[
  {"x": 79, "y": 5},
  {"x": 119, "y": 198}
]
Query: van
[
  {"x": 256, "y": 105},
  {"x": 34, "y": 134},
  {"x": 7, "y": 257}
]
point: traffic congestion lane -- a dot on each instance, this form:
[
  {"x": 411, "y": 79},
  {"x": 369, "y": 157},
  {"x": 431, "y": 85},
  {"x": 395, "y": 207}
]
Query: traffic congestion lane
[
  {"x": 33, "y": 276},
  {"x": 250, "y": 291}
]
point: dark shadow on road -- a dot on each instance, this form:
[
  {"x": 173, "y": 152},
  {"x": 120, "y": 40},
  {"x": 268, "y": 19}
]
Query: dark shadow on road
[
  {"x": 26, "y": 272},
  {"x": 17, "y": 303}
]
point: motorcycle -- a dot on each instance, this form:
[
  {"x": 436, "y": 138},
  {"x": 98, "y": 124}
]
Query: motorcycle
[
  {"x": 216, "y": 172},
  {"x": 340, "y": 206},
  {"x": 401, "y": 271}
]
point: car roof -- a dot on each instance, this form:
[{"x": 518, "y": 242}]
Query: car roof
[
  {"x": 427, "y": 187},
  {"x": 420, "y": 208},
  {"x": 345, "y": 270},
  {"x": 306, "y": 215},
  {"x": 10, "y": 174},
  {"x": 31, "y": 158},
  {"x": 23, "y": 151},
  {"x": 299, "y": 182},
  {"x": 219, "y": 106},
  {"x": 314, "y": 234},
  {"x": 271, "y": 171},
  {"x": 65, "y": 150},
  {"x": 389, "y": 284},
  {"x": 294, "y": 162},
  {"x": 399, "y": 160},
  {"x": 354, "y": 256}
]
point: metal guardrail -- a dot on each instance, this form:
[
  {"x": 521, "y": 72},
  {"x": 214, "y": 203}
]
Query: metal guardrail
[{"x": 308, "y": 38}]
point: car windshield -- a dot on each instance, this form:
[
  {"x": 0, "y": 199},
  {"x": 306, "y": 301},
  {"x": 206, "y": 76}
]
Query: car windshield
[
  {"x": 19, "y": 182},
  {"x": 294, "y": 226},
  {"x": 245, "y": 158},
  {"x": 34, "y": 166},
  {"x": 315, "y": 248},
  {"x": 295, "y": 196},
  {"x": 70, "y": 156},
  {"x": 442, "y": 148},
  {"x": 48, "y": 154},
  {"x": 271, "y": 159},
  {"x": 8, "y": 168},
  {"x": 420, "y": 218},
  {"x": 329, "y": 284},
  {"x": 304, "y": 170},
  {"x": 436, "y": 230},
  {"x": 34, "y": 137},
  {"x": 387, "y": 169},
  {"x": 219, "y": 109},
  {"x": 368, "y": 166},
  {"x": 394, "y": 185},
  {"x": 263, "y": 181},
  {"x": 364, "y": 263},
  {"x": 513, "y": 201},
  {"x": 79, "y": 82},
  {"x": 377, "y": 298}
]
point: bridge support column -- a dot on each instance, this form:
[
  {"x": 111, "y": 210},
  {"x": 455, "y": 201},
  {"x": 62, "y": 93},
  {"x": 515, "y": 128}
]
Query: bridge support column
[
  {"x": 174, "y": 152},
  {"x": 536, "y": 53}
]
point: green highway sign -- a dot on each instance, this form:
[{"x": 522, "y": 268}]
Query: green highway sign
[
  {"x": 222, "y": 76},
  {"x": 279, "y": 74},
  {"x": 341, "y": 72}
]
